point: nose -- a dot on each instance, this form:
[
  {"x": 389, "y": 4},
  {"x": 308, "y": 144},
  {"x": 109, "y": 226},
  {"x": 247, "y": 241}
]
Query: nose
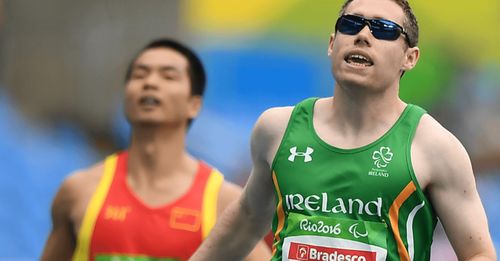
[
  {"x": 151, "y": 81},
  {"x": 364, "y": 37}
]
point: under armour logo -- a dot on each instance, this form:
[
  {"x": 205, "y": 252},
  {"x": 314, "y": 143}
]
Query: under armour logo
[{"x": 306, "y": 155}]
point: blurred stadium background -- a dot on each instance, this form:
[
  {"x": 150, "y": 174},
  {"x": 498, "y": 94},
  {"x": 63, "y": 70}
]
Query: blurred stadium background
[{"x": 63, "y": 64}]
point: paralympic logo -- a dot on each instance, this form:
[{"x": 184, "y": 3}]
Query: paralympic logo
[{"x": 353, "y": 229}]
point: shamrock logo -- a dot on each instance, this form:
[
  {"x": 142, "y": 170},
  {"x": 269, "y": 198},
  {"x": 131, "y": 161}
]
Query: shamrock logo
[{"x": 382, "y": 157}]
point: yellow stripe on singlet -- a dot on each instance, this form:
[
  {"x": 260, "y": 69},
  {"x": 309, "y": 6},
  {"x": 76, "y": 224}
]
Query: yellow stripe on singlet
[
  {"x": 394, "y": 218},
  {"x": 281, "y": 214},
  {"x": 210, "y": 196},
  {"x": 84, "y": 235}
]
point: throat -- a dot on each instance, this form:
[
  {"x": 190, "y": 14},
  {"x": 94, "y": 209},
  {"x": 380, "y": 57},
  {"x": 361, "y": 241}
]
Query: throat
[
  {"x": 353, "y": 128},
  {"x": 160, "y": 192}
]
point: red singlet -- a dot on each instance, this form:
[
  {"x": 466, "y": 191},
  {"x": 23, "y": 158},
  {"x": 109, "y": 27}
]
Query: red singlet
[{"x": 119, "y": 226}]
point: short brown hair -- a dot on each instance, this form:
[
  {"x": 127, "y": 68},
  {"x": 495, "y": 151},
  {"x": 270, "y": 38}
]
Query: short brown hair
[{"x": 410, "y": 23}]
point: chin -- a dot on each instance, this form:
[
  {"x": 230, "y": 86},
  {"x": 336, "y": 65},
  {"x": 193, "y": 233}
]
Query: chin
[
  {"x": 147, "y": 122},
  {"x": 354, "y": 81}
]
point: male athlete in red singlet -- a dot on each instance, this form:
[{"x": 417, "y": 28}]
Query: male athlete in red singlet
[{"x": 153, "y": 201}]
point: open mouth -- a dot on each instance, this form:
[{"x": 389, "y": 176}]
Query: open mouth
[
  {"x": 358, "y": 60},
  {"x": 149, "y": 101}
]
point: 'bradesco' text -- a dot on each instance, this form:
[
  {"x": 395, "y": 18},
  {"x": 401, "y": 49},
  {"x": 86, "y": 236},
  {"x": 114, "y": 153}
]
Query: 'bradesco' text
[{"x": 321, "y": 203}]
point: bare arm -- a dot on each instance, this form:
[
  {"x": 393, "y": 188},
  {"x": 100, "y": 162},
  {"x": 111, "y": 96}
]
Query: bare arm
[
  {"x": 452, "y": 190},
  {"x": 61, "y": 241},
  {"x": 248, "y": 219},
  {"x": 228, "y": 194}
]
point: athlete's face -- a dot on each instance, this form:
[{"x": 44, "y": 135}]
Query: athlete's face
[
  {"x": 361, "y": 60},
  {"x": 159, "y": 89}
]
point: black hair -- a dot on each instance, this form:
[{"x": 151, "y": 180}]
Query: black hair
[{"x": 196, "y": 70}]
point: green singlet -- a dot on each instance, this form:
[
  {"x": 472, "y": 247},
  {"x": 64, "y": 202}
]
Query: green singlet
[{"x": 359, "y": 204}]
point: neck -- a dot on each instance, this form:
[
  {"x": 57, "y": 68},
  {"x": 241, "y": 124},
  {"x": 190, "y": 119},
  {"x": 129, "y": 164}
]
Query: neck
[
  {"x": 357, "y": 109},
  {"x": 157, "y": 152}
]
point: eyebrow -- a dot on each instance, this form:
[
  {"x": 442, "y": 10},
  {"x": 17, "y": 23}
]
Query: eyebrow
[
  {"x": 167, "y": 68},
  {"x": 374, "y": 17}
]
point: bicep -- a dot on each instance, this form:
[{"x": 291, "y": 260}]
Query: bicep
[
  {"x": 258, "y": 202},
  {"x": 254, "y": 197},
  {"x": 60, "y": 244},
  {"x": 259, "y": 193},
  {"x": 456, "y": 200},
  {"x": 230, "y": 194},
  {"x": 61, "y": 241}
]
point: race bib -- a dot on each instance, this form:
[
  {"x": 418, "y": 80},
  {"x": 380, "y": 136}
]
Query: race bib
[{"x": 333, "y": 239}]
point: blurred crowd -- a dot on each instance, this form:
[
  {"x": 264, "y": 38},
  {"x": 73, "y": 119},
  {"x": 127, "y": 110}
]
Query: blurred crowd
[{"x": 62, "y": 67}]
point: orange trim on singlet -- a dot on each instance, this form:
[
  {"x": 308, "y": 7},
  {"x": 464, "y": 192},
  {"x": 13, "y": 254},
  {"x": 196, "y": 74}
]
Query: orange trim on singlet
[
  {"x": 84, "y": 236},
  {"x": 210, "y": 196},
  {"x": 394, "y": 217},
  {"x": 281, "y": 214}
]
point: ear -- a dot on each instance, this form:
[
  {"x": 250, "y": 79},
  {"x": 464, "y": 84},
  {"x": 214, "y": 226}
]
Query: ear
[
  {"x": 411, "y": 58},
  {"x": 330, "y": 44},
  {"x": 195, "y": 102}
]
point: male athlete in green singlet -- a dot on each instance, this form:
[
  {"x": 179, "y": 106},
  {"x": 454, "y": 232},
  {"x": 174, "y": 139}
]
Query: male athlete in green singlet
[{"x": 361, "y": 175}]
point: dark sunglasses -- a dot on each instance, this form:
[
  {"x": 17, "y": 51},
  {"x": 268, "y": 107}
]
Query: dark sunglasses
[{"x": 381, "y": 29}]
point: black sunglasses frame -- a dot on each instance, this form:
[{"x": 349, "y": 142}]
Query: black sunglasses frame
[{"x": 353, "y": 24}]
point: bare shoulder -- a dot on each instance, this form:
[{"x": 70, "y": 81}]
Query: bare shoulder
[
  {"x": 68, "y": 209},
  {"x": 82, "y": 180},
  {"x": 436, "y": 138},
  {"x": 445, "y": 156},
  {"x": 273, "y": 121},
  {"x": 76, "y": 191},
  {"x": 269, "y": 130}
]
